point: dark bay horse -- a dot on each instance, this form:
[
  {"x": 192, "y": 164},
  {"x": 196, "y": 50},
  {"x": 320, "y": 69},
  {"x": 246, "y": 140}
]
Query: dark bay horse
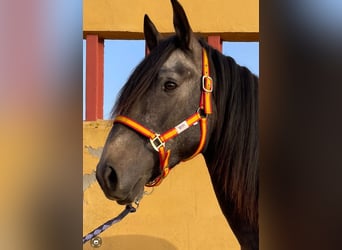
[{"x": 199, "y": 101}]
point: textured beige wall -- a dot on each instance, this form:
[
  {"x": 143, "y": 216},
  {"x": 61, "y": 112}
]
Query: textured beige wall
[
  {"x": 182, "y": 213},
  {"x": 114, "y": 19}
]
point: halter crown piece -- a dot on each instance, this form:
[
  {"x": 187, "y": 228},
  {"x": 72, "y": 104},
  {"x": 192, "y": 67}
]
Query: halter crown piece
[{"x": 158, "y": 141}]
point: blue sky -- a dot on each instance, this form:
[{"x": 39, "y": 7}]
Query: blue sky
[{"x": 122, "y": 56}]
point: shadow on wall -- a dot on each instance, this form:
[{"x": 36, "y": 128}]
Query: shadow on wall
[{"x": 132, "y": 242}]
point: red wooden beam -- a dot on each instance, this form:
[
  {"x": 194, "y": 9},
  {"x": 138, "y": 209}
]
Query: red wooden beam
[
  {"x": 147, "y": 51},
  {"x": 94, "y": 78},
  {"x": 216, "y": 42}
]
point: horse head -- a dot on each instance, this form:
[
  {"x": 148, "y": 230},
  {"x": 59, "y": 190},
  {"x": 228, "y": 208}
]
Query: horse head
[{"x": 161, "y": 109}]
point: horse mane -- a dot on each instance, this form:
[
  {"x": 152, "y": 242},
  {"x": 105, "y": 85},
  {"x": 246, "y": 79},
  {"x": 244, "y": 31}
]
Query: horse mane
[
  {"x": 232, "y": 152},
  {"x": 143, "y": 77}
]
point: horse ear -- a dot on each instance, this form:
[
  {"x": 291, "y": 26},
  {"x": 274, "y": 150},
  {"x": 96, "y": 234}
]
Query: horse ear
[
  {"x": 152, "y": 36},
  {"x": 181, "y": 24}
]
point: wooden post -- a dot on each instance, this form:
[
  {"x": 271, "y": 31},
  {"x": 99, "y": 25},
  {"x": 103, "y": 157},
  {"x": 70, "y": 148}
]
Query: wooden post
[
  {"x": 94, "y": 77},
  {"x": 216, "y": 42},
  {"x": 147, "y": 51}
]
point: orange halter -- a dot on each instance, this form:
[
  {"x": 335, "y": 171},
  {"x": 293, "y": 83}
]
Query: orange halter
[{"x": 158, "y": 140}]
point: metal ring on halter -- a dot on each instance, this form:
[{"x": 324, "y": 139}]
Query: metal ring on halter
[
  {"x": 150, "y": 192},
  {"x": 201, "y": 113},
  {"x": 137, "y": 203}
]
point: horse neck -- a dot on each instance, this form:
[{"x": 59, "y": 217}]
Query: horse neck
[{"x": 232, "y": 150}]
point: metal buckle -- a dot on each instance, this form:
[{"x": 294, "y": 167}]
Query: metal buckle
[
  {"x": 157, "y": 142},
  {"x": 203, "y": 84}
]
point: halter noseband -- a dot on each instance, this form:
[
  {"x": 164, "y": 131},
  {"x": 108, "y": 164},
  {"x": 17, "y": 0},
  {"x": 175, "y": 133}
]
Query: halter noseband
[{"x": 158, "y": 140}]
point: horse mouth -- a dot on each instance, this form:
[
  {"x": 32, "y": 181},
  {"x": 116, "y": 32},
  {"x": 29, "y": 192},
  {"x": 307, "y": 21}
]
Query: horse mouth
[
  {"x": 135, "y": 194},
  {"x": 124, "y": 202}
]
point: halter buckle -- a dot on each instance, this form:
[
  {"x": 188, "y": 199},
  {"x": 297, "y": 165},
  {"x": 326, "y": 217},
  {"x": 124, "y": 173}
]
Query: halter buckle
[
  {"x": 207, "y": 87},
  {"x": 157, "y": 142}
]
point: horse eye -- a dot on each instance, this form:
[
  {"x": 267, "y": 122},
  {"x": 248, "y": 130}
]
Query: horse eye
[{"x": 168, "y": 86}]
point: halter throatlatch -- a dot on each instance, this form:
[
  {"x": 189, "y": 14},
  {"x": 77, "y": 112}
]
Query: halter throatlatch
[{"x": 158, "y": 141}]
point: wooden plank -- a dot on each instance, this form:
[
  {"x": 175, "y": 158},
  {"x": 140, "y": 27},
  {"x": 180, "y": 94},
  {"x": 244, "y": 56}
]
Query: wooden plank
[
  {"x": 94, "y": 77},
  {"x": 216, "y": 42}
]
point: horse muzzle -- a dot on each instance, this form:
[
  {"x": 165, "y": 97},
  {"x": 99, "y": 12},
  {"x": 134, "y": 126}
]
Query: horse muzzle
[{"x": 116, "y": 186}]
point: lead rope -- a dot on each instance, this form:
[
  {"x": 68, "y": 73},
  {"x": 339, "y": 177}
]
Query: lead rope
[
  {"x": 97, "y": 241},
  {"x": 129, "y": 209}
]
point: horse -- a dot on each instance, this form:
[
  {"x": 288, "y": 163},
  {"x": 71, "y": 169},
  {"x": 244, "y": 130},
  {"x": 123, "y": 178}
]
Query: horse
[{"x": 186, "y": 98}]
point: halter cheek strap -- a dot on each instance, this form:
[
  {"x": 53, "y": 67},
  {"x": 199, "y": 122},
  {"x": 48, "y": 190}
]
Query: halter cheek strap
[{"x": 158, "y": 141}]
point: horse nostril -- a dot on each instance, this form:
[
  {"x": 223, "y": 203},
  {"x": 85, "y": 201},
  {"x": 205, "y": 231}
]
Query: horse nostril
[{"x": 110, "y": 177}]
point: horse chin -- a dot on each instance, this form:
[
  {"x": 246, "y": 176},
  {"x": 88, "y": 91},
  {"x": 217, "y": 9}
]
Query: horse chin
[
  {"x": 124, "y": 202},
  {"x": 135, "y": 195},
  {"x": 131, "y": 199}
]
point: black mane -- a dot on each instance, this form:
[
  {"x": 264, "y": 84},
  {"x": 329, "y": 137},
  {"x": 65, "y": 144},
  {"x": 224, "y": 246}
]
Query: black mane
[{"x": 232, "y": 152}]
